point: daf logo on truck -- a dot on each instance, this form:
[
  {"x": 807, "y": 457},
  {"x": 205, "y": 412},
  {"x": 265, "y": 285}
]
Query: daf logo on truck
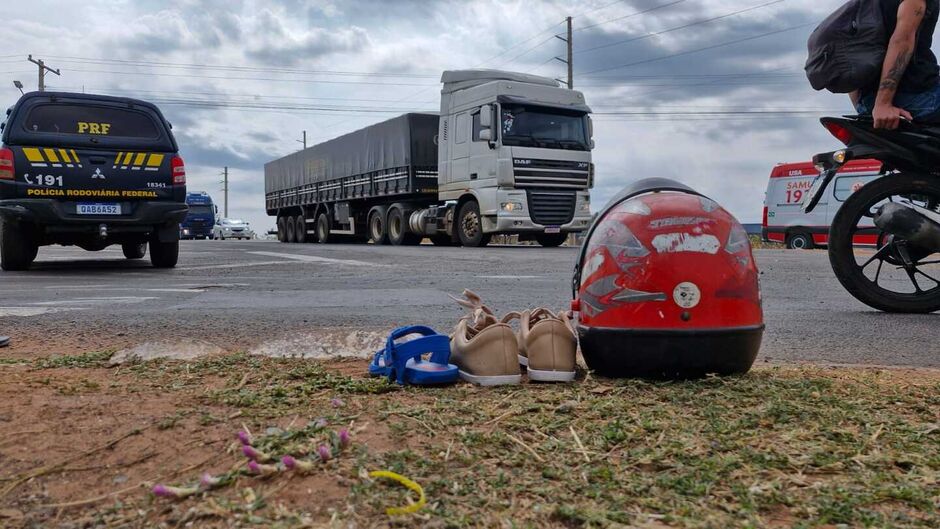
[{"x": 510, "y": 154}]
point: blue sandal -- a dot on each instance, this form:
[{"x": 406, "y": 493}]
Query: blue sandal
[{"x": 404, "y": 363}]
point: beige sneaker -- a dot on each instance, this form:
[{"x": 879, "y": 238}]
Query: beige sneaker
[
  {"x": 484, "y": 349},
  {"x": 547, "y": 345}
]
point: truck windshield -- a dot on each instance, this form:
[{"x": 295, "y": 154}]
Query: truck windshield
[
  {"x": 200, "y": 210},
  {"x": 551, "y": 128}
]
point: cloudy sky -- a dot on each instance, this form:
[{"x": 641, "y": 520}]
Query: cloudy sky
[{"x": 708, "y": 92}]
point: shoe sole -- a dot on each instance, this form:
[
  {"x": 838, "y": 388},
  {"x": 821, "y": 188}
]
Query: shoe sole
[
  {"x": 538, "y": 375},
  {"x": 492, "y": 380}
]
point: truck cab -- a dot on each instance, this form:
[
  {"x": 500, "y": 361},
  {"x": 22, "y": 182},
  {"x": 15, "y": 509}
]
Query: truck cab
[
  {"x": 514, "y": 151},
  {"x": 201, "y": 217}
]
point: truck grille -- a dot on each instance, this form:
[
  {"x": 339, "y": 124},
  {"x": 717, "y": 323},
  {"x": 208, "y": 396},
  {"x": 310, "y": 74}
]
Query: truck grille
[
  {"x": 551, "y": 208},
  {"x": 558, "y": 174}
]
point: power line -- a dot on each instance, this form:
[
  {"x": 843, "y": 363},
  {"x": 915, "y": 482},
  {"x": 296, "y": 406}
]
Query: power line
[
  {"x": 631, "y": 15},
  {"x": 533, "y": 37},
  {"x": 272, "y": 79},
  {"x": 677, "y": 28},
  {"x": 697, "y": 50}
]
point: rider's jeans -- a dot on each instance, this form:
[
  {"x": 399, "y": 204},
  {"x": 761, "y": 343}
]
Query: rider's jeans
[{"x": 918, "y": 104}]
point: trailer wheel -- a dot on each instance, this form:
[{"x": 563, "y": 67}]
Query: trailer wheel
[
  {"x": 398, "y": 232},
  {"x": 378, "y": 229},
  {"x": 281, "y": 229},
  {"x": 17, "y": 249},
  {"x": 800, "y": 241},
  {"x": 470, "y": 226},
  {"x": 291, "y": 234},
  {"x": 300, "y": 229},
  {"x": 323, "y": 228}
]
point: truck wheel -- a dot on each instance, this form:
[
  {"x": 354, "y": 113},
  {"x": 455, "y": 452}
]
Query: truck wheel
[
  {"x": 17, "y": 249},
  {"x": 551, "y": 240},
  {"x": 300, "y": 229},
  {"x": 398, "y": 232},
  {"x": 281, "y": 229},
  {"x": 800, "y": 241},
  {"x": 470, "y": 226},
  {"x": 323, "y": 228},
  {"x": 378, "y": 231},
  {"x": 164, "y": 254},
  {"x": 291, "y": 232},
  {"x": 134, "y": 251}
]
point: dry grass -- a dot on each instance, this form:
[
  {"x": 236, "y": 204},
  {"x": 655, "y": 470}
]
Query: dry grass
[{"x": 780, "y": 447}]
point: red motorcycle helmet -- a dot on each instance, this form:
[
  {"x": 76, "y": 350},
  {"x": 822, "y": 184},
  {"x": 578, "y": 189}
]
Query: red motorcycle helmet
[{"x": 666, "y": 286}]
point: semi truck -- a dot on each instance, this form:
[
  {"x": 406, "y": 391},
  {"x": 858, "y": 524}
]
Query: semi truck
[
  {"x": 509, "y": 153},
  {"x": 201, "y": 217}
]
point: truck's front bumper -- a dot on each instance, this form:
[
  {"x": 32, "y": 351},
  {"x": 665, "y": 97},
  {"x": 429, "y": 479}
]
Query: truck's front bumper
[
  {"x": 55, "y": 216},
  {"x": 510, "y": 212}
]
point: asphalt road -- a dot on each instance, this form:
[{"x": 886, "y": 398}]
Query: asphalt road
[{"x": 278, "y": 297}]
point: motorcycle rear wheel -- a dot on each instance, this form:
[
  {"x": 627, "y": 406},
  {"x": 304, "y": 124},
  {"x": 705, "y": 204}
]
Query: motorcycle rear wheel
[{"x": 850, "y": 267}]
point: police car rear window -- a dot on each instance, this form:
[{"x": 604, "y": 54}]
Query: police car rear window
[{"x": 91, "y": 120}]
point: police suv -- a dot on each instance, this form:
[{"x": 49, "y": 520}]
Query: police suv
[{"x": 91, "y": 171}]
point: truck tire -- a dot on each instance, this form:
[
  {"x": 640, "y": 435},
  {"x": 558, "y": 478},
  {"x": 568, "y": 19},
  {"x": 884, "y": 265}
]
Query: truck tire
[
  {"x": 323, "y": 228},
  {"x": 378, "y": 227},
  {"x": 281, "y": 229},
  {"x": 291, "y": 233},
  {"x": 470, "y": 226},
  {"x": 17, "y": 249},
  {"x": 300, "y": 229},
  {"x": 551, "y": 240},
  {"x": 164, "y": 254},
  {"x": 398, "y": 232},
  {"x": 800, "y": 240},
  {"x": 134, "y": 251}
]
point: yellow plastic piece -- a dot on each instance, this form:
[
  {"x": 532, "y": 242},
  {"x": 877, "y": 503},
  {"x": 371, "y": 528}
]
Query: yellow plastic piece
[{"x": 407, "y": 483}]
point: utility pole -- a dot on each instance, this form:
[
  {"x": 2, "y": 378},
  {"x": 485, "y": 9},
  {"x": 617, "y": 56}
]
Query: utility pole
[
  {"x": 304, "y": 141},
  {"x": 225, "y": 190},
  {"x": 570, "y": 56},
  {"x": 42, "y": 71}
]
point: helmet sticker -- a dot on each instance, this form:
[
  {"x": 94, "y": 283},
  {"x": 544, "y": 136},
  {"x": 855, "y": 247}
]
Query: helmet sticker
[
  {"x": 686, "y": 295},
  {"x": 684, "y": 242},
  {"x": 679, "y": 221}
]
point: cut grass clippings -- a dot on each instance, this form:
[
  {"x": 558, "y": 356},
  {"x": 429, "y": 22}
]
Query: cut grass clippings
[{"x": 779, "y": 447}]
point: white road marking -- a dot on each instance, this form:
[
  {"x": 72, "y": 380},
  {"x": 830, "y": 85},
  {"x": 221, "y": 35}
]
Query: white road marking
[
  {"x": 316, "y": 259},
  {"x": 510, "y": 277},
  {"x": 234, "y": 265},
  {"x": 121, "y": 300},
  {"x": 31, "y": 311}
]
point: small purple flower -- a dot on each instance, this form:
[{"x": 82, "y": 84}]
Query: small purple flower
[
  {"x": 296, "y": 464},
  {"x": 337, "y": 403},
  {"x": 244, "y": 437},
  {"x": 322, "y": 423},
  {"x": 254, "y": 467},
  {"x": 165, "y": 491},
  {"x": 208, "y": 481},
  {"x": 254, "y": 454},
  {"x": 344, "y": 438},
  {"x": 324, "y": 453}
]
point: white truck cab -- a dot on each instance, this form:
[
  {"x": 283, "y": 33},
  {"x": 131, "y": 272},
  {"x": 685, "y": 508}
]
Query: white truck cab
[{"x": 520, "y": 145}]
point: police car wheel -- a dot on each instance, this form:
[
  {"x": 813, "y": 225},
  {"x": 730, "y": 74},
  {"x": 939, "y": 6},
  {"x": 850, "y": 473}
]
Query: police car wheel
[
  {"x": 164, "y": 254},
  {"x": 134, "y": 251},
  {"x": 17, "y": 249}
]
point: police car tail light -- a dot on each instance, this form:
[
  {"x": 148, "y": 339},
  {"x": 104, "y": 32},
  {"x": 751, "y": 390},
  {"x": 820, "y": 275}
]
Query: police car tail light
[
  {"x": 179, "y": 170},
  {"x": 6, "y": 164}
]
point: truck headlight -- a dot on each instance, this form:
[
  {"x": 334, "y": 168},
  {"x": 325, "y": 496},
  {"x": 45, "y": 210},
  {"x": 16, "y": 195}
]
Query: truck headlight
[
  {"x": 585, "y": 206},
  {"x": 185, "y": 231},
  {"x": 511, "y": 206}
]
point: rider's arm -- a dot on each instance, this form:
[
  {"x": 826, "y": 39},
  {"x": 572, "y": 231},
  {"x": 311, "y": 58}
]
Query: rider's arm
[
  {"x": 900, "y": 50},
  {"x": 854, "y": 96}
]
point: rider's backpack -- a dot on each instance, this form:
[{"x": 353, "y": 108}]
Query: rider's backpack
[{"x": 847, "y": 50}]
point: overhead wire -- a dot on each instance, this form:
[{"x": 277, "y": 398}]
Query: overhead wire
[{"x": 631, "y": 15}]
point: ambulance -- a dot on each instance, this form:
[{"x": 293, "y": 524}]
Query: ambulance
[{"x": 784, "y": 220}]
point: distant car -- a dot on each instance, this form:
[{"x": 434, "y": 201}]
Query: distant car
[{"x": 232, "y": 229}]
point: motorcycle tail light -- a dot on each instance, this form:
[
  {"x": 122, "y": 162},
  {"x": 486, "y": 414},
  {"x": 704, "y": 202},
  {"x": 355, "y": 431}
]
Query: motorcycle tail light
[{"x": 841, "y": 133}]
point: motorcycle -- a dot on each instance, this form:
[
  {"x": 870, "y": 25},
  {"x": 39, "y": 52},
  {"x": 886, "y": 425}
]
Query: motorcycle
[{"x": 884, "y": 241}]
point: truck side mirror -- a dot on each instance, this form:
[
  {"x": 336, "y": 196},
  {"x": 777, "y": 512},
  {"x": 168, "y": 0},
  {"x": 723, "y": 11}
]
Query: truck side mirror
[
  {"x": 486, "y": 135},
  {"x": 486, "y": 117},
  {"x": 590, "y": 124}
]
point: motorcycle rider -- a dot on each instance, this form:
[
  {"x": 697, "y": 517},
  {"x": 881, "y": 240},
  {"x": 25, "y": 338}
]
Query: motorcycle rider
[{"x": 910, "y": 78}]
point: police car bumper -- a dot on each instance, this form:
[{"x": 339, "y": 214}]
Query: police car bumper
[{"x": 62, "y": 216}]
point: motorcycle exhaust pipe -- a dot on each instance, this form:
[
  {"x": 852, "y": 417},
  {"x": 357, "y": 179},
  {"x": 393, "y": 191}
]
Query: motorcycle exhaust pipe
[{"x": 907, "y": 223}]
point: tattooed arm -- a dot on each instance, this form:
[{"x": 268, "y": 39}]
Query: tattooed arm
[{"x": 900, "y": 51}]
